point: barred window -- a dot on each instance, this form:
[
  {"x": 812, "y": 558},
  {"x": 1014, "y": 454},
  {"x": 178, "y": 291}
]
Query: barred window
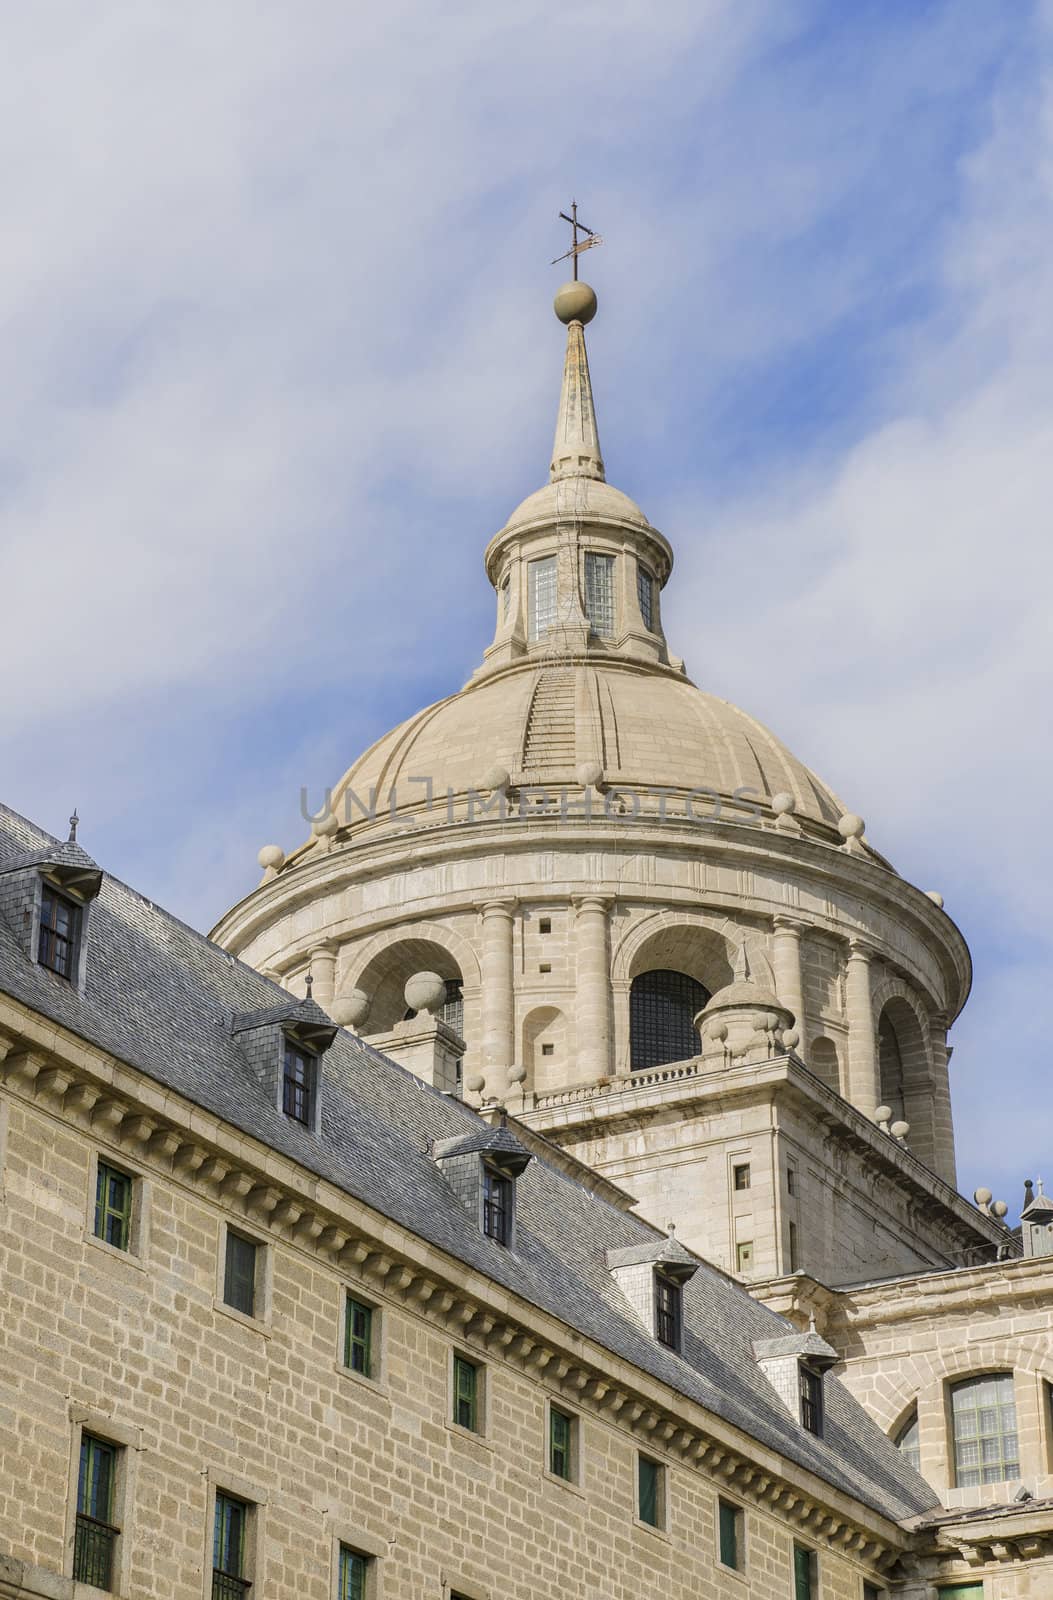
[
  {"x": 353, "y": 1569},
  {"x": 908, "y": 1441},
  {"x": 662, "y": 1008},
  {"x": 95, "y": 1536},
  {"x": 645, "y": 595},
  {"x": 60, "y": 920},
  {"x": 599, "y": 593},
  {"x": 983, "y": 1415},
  {"x": 541, "y": 583},
  {"x": 229, "y": 1581}
]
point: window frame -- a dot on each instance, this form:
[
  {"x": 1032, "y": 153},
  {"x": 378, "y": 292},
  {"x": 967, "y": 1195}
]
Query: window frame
[
  {"x": 657, "y": 1021},
  {"x": 602, "y": 597},
  {"x": 738, "y": 1516},
  {"x": 810, "y": 1398},
  {"x": 254, "y": 1497},
  {"x": 958, "y": 1386},
  {"x": 299, "y": 1095},
  {"x": 88, "y": 1521},
  {"x": 373, "y": 1339},
  {"x": 135, "y": 1253},
  {"x": 497, "y": 1204},
  {"x": 476, "y": 1428},
  {"x": 909, "y": 1422},
  {"x": 572, "y": 1449},
  {"x": 741, "y": 1170},
  {"x": 127, "y": 1442},
  {"x": 811, "y": 1560},
  {"x": 536, "y": 633},
  {"x": 652, "y": 1464},
  {"x": 259, "y": 1318},
  {"x": 668, "y": 1311},
  {"x": 43, "y": 932},
  {"x": 106, "y": 1173},
  {"x": 645, "y": 585}
]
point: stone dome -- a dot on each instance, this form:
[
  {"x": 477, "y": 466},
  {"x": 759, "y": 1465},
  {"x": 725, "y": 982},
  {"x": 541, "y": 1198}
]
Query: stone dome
[{"x": 648, "y": 728}]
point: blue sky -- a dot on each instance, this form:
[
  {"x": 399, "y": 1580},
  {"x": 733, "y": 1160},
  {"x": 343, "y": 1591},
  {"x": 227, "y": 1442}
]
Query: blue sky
[{"x": 279, "y": 361}]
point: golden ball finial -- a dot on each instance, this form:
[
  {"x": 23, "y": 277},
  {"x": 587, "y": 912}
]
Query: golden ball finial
[{"x": 575, "y": 302}]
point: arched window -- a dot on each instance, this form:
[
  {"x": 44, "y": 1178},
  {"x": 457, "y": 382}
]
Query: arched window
[
  {"x": 907, "y": 1440},
  {"x": 662, "y": 1008},
  {"x": 983, "y": 1421}
]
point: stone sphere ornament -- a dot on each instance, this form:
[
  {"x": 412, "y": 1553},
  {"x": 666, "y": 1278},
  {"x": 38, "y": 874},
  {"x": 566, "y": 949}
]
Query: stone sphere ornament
[
  {"x": 935, "y": 896},
  {"x": 351, "y": 1009},
  {"x": 497, "y": 780},
  {"x": 474, "y": 1082},
  {"x": 590, "y": 774},
  {"x": 883, "y": 1114},
  {"x": 575, "y": 302},
  {"x": 425, "y": 991},
  {"x": 899, "y": 1130},
  {"x": 999, "y": 1209},
  {"x": 983, "y": 1197},
  {"x": 516, "y": 1074},
  {"x": 326, "y": 826},
  {"x": 271, "y": 857},
  {"x": 782, "y": 804},
  {"x": 851, "y": 827}
]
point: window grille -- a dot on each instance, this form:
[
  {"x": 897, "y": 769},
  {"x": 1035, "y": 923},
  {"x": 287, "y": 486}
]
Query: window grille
[
  {"x": 908, "y": 1441},
  {"x": 298, "y": 1086},
  {"x": 358, "y": 1337},
  {"x": 59, "y": 931},
  {"x": 497, "y": 1205},
  {"x": 228, "y": 1549},
  {"x": 983, "y": 1413},
  {"x": 560, "y": 1428},
  {"x": 95, "y": 1537},
  {"x": 662, "y": 1008},
  {"x": 645, "y": 596},
  {"x": 599, "y": 593},
  {"x": 453, "y": 1006},
  {"x": 810, "y": 1389},
  {"x": 542, "y": 596},
  {"x": 239, "y": 1279},
  {"x": 352, "y": 1574},
  {"x": 465, "y": 1394},
  {"x": 667, "y": 1311},
  {"x": 113, "y": 1206}
]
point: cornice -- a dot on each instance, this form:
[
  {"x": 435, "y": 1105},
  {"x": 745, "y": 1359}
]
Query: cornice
[{"x": 99, "y": 1093}]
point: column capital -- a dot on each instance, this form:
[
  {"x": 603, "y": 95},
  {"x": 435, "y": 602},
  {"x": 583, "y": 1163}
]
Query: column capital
[
  {"x": 592, "y": 902},
  {"x": 861, "y": 950},
  {"x": 785, "y": 923},
  {"x": 498, "y": 907}
]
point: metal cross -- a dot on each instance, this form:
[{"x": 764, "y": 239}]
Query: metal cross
[{"x": 587, "y": 243}]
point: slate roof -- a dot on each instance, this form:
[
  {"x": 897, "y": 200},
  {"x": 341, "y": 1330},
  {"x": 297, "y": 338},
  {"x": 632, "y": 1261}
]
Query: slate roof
[{"x": 162, "y": 998}]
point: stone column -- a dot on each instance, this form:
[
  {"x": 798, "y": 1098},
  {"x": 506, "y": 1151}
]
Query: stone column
[
  {"x": 498, "y": 997},
  {"x": 323, "y": 971},
  {"x": 593, "y": 984},
  {"x": 864, "y": 1076},
  {"x": 786, "y": 961},
  {"x": 943, "y": 1158}
]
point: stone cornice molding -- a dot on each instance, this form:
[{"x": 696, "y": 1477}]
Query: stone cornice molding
[{"x": 274, "y": 1193}]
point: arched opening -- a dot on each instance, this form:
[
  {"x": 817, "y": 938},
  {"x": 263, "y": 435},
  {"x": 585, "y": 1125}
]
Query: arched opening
[
  {"x": 906, "y": 1073},
  {"x": 823, "y": 1060},
  {"x": 544, "y": 1048},
  {"x": 984, "y": 1430},
  {"x": 907, "y": 1439},
  {"x": 663, "y": 1004},
  {"x": 384, "y": 978}
]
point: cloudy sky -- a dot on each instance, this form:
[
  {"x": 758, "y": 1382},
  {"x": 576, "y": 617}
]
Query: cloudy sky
[{"x": 279, "y": 359}]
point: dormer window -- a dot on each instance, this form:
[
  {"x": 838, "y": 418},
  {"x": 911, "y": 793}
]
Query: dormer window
[
  {"x": 497, "y": 1205},
  {"x": 299, "y": 1080},
  {"x": 810, "y": 1391},
  {"x": 60, "y": 925},
  {"x": 667, "y": 1311}
]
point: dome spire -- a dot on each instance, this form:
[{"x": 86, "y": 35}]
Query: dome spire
[{"x": 576, "y": 450}]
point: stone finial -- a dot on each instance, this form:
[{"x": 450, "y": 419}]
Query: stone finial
[
  {"x": 73, "y": 821},
  {"x": 271, "y": 858},
  {"x": 936, "y": 897},
  {"x": 497, "y": 780},
  {"x": 576, "y": 450},
  {"x": 309, "y": 983},
  {"x": 899, "y": 1130},
  {"x": 350, "y": 1009},
  {"x": 425, "y": 991},
  {"x": 326, "y": 827},
  {"x": 982, "y": 1199}
]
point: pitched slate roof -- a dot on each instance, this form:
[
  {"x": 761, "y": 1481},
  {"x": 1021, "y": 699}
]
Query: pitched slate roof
[{"x": 162, "y": 998}]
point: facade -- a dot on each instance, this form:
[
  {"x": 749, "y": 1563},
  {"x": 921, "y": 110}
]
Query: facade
[
  {"x": 660, "y": 942},
  {"x": 279, "y": 1319}
]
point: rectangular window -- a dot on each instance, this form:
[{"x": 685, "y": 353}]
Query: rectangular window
[
  {"x": 560, "y": 1443},
  {"x": 298, "y": 1084},
  {"x": 113, "y": 1207},
  {"x": 730, "y": 1529},
  {"x": 794, "y": 1257},
  {"x": 545, "y": 925},
  {"x": 667, "y": 1311},
  {"x": 358, "y": 1337},
  {"x": 645, "y": 596},
  {"x": 548, "y": 1049},
  {"x": 804, "y": 1585},
  {"x": 59, "y": 931},
  {"x": 744, "y": 1258},
  {"x": 872, "y": 1592},
  {"x": 228, "y": 1549},
  {"x": 541, "y": 586},
  {"x": 466, "y": 1394},
  {"x": 497, "y": 1205},
  {"x": 791, "y": 1180},
  {"x": 239, "y": 1277},
  {"x": 986, "y": 1445},
  {"x": 506, "y": 597},
  {"x": 649, "y": 1491},
  {"x": 741, "y": 1175},
  {"x": 95, "y": 1536},
  {"x": 599, "y": 593},
  {"x": 810, "y": 1388},
  {"x": 353, "y": 1569},
  {"x": 960, "y": 1591}
]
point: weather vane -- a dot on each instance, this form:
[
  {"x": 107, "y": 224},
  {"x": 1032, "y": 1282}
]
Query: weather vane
[{"x": 577, "y": 246}]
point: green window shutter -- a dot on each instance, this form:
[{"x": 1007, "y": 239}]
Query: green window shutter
[
  {"x": 113, "y": 1206},
  {"x": 352, "y": 1574},
  {"x": 729, "y": 1534},
  {"x": 559, "y": 1432},
  {"x": 802, "y": 1573},
  {"x": 358, "y": 1337},
  {"x": 239, "y": 1282},
  {"x": 648, "y": 1480},
  {"x": 465, "y": 1394},
  {"x": 961, "y": 1591}
]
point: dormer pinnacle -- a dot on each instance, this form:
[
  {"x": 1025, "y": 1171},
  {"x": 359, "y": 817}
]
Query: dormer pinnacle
[{"x": 576, "y": 450}]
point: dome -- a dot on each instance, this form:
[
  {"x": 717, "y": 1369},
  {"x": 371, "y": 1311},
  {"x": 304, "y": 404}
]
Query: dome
[
  {"x": 588, "y": 498},
  {"x": 541, "y": 722}
]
